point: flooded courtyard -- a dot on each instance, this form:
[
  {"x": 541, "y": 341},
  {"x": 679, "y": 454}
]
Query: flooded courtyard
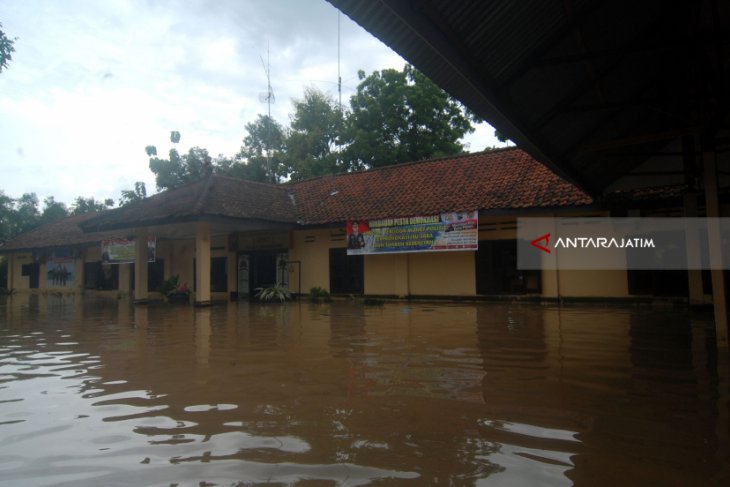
[{"x": 99, "y": 392}]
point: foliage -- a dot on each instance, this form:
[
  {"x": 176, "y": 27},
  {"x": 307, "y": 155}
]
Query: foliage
[
  {"x": 173, "y": 288},
  {"x": 500, "y": 136},
  {"x": 373, "y": 302},
  {"x": 402, "y": 116},
  {"x": 275, "y": 292},
  {"x": 53, "y": 210},
  {"x": 179, "y": 169},
  {"x": 133, "y": 195},
  {"x": 169, "y": 285},
  {"x": 318, "y": 295},
  {"x": 316, "y": 128},
  {"x": 88, "y": 205},
  {"x": 7, "y": 48},
  {"x": 22, "y": 214},
  {"x": 262, "y": 156}
]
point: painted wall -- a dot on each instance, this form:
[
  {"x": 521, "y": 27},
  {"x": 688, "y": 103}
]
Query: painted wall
[
  {"x": 442, "y": 274},
  {"x": 311, "y": 247},
  {"x": 387, "y": 275}
]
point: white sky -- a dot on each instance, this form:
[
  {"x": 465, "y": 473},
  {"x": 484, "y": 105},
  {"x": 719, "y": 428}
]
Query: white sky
[{"x": 93, "y": 82}]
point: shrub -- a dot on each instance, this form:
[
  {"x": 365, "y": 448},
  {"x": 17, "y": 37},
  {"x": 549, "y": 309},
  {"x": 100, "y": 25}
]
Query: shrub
[
  {"x": 275, "y": 292},
  {"x": 319, "y": 295}
]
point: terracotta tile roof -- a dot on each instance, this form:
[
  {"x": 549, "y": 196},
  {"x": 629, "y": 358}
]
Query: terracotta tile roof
[
  {"x": 503, "y": 179},
  {"x": 500, "y": 179},
  {"x": 215, "y": 196},
  {"x": 64, "y": 232}
]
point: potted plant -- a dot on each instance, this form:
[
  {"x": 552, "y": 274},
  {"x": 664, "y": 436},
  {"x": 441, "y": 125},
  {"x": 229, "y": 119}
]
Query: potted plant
[{"x": 277, "y": 292}]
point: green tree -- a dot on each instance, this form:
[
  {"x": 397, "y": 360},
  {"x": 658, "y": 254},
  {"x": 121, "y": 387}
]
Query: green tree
[
  {"x": 262, "y": 156},
  {"x": 316, "y": 128},
  {"x": 402, "y": 116},
  {"x": 53, "y": 210},
  {"x": 87, "y": 205},
  {"x": 18, "y": 215},
  {"x": 179, "y": 169},
  {"x": 7, "y": 48},
  {"x": 131, "y": 195},
  {"x": 27, "y": 216},
  {"x": 7, "y": 216}
]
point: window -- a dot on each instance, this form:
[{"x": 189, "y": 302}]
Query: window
[
  {"x": 497, "y": 273},
  {"x": 101, "y": 276}
]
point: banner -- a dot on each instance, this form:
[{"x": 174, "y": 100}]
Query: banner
[
  {"x": 60, "y": 269},
  {"x": 435, "y": 233},
  {"x": 121, "y": 250}
]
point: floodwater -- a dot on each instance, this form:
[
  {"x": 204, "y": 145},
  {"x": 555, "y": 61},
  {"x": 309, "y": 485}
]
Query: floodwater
[{"x": 97, "y": 392}]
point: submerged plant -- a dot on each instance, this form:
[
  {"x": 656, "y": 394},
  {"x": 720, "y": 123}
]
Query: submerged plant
[
  {"x": 276, "y": 292},
  {"x": 319, "y": 295}
]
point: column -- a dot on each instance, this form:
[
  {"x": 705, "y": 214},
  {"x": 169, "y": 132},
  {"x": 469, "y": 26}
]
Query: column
[
  {"x": 714, "y": 242},
  {"x": 125, "y": 282},
  {"x": 694, "y": 274},
  {"x": 141, "y": 294},
  {"x": 202, "y": 264}
]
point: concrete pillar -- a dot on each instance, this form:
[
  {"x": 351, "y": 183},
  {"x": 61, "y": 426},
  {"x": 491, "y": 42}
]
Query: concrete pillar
[
  {"x": 125, "y": 280},
  {"x": 9, "y": 284},
  {"x": 715, "y": 245},
  {"x": 694, "y": 274},
  {"x": 202, "y": 264},
  {"x": 141, "y": 294}
]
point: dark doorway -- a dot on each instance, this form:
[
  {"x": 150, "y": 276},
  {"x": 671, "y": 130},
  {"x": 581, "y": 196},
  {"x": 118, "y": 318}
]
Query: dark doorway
[
  {"x": 218, "y": 274},
  {"x": 346, "y": 272},
  {"x": 256, "y": 270},
  {"x": 32, "y": 271},
  {"x": 497, "y": 273},
  {"x": 155, "y": 275},
  {"x": 263, "y": 270},
  {"x": 102, "y": 276}
]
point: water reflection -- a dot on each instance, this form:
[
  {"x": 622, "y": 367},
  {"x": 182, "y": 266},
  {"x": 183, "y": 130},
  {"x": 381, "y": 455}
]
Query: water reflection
[{"x": 99, "y": 392}]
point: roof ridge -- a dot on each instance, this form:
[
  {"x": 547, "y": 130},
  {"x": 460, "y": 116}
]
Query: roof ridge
[
  {"x": 203, "y": 192},
  {"x": 466, "y": 155}
]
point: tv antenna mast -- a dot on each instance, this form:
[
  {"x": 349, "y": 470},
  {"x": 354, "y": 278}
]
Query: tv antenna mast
[{"x": 269, "y": 98}]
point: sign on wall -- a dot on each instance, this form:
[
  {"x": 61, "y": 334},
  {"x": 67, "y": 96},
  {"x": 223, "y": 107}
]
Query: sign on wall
[
  {"x": 435, "y": 233},
  {"x": 60, "y": 269},
  {"x": 121, "y": 250}
]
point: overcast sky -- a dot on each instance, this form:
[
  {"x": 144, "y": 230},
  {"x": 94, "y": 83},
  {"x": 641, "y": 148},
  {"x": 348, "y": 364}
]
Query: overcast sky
[{"x": 93, "y": 82}]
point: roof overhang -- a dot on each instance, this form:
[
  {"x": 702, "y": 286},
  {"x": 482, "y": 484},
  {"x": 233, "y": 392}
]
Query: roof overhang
[{"x": 590, "y": 88}]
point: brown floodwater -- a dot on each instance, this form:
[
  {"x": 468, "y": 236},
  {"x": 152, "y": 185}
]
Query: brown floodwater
[{"x": 98, "y": 392}]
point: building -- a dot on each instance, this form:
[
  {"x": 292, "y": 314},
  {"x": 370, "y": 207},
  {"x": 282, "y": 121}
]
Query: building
[{"x": 226, "y": 237}]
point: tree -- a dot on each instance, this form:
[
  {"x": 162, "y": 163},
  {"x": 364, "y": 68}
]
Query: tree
[
  {"x": 132, "y": 195},
  {"x": 261, "y": 157},
  {"x": 7, "y": 49},
  {"x": 178, "y": 170},
  {"x": 52, "y": 210},
  {"x": 87, "y": 205},
  {"x": 500, "y": 136},
  {"x": 316, "y": 128},
  {"x": 7, "y": 215},
  {"x": 18, "y": 215},
  {"x": 402, "y": 116}
]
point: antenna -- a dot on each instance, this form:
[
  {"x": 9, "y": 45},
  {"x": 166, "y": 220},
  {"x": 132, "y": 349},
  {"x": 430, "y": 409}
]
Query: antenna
[
  {"x": 269, "y": 98},
  {"x": 339, "y": 78}
]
